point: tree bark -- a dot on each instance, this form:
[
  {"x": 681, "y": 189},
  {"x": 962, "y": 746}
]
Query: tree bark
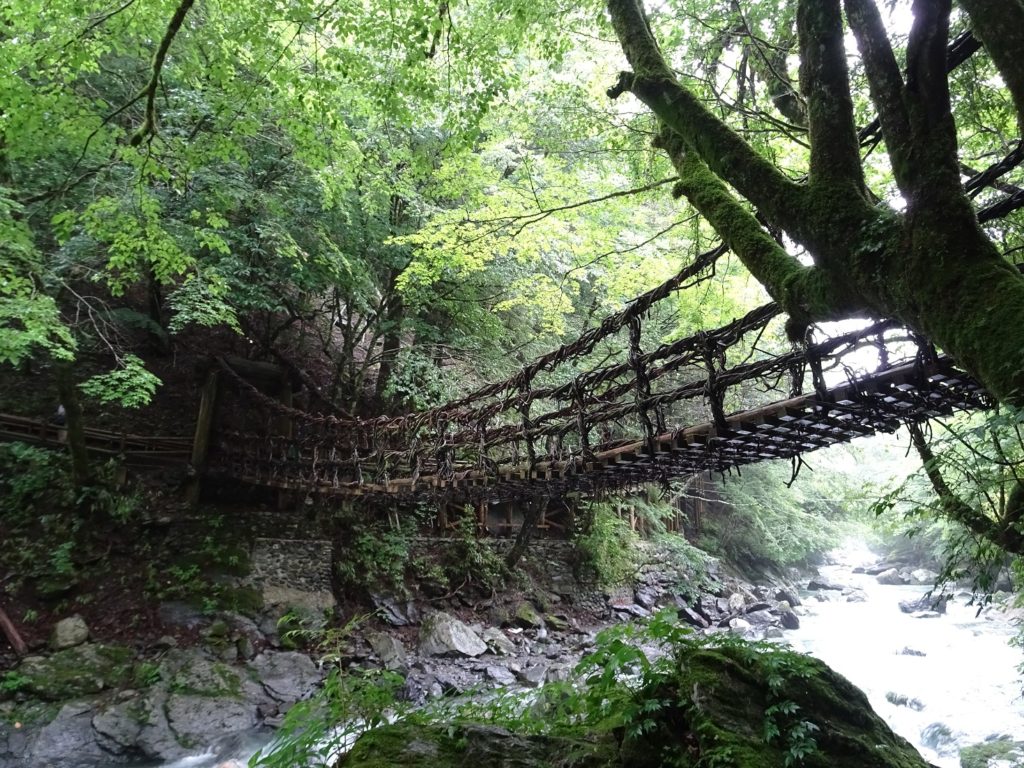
[
  {"x": 931, "y": 267},
  {"x": 531, "y": 516},
  {"x": 81, "y": 470}
]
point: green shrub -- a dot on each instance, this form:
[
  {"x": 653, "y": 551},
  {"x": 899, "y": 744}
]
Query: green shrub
[{"x": 606, "y": 547}]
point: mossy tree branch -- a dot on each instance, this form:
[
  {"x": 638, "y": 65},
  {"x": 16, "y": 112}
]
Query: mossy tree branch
[
  {"x": 1004, "y": 533},
  {"x": 885, "y": 82},
  {"x": 1000, "y": 26},
  {"x": 825, "y": 83},
  {"x": 148, "y": 127},
  {"x": 725, "y": 152},
  {"x": 803, "y": 291},
  {"x": 933, "y": 132}
]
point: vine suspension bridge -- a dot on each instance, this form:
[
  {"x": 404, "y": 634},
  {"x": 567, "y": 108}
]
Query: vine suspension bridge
[{"x": 551, "y": 429}]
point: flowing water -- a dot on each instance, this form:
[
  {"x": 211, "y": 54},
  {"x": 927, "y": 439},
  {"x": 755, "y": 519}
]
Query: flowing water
[
  {"x": 966, "y": 682},
  {"x": 960, "y": 667}
]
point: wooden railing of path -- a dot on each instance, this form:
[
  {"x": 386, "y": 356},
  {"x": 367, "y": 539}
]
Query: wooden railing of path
[{"x": 133, "y": 449}]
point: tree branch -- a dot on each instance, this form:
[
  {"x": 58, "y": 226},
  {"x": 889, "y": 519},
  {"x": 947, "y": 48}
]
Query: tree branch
[
  {"x": 802, "y": 291},
  {"x": 825, "y": 83},
  {"x": 1004, "y": 535},
  {"x": 927, "y": 98},
  {"x": 728, "y": 155},
  {"x": 149, "y": 126},
  {"x": 1000, "y": 26},
  {"x": 884, "y": 80}
]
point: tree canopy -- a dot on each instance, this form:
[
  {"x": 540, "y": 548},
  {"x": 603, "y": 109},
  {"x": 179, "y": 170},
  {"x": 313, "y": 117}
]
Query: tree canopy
[{"x": 403, "y": 198}]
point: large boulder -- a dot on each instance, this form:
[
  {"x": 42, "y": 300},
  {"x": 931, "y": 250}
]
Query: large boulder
[
  {"x": 74, "y": 672},
  {"x": 923, "y": 576},
  {"x": 442, "y": 634},
  {"x": 715, "y": 707},
  {"x": 69, "y": 632},
  {"x": 890, "y": 577}
]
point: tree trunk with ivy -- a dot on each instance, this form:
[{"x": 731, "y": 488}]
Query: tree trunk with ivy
[{"x": 931, "y": 265}]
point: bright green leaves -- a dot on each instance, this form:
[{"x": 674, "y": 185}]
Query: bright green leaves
[
  {"x": 133, "y": 235},
  {"x": 29, "y": 319},
  {"x": 202, "y": 299},
  {"x": 129, "y": 385}
]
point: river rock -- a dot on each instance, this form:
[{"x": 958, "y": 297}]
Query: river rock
[
  {"x": 500, "y": 675},
  {"x": 69, "y": 632},
  {"x": 940, "y": 737},
  {"x": 389, "y": 649},
  {"x": 497, "y": 642},
  {"x": 69, "y": 736},
  {"x": 526, "y": 616},
  {"x": 925, "y": 603},
  {"x": 890, "y": 577},
  {"x": 73, "y": 672},
  {"x": 691, "y": 617},
  {"x": 788, "y": 595},
  {"x": 534, "y": 676},
  {"x": 902, "y": 700},
  {"x": 736, "y": 603},
  {"x": 923, "y": 576},
  {"x": 789, "y": 620},
  {"x": 442, "y": 634},
  {"x": 286, "y": 676},
  {"x": 818, "y": 584}
]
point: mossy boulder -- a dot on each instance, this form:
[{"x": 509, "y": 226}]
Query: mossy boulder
[
  {"x": 764, "y": 710},
  {"x": 732, "y": 704},
  {"x": 409, "y": 745},
  {"x": 83, "y": 670}
]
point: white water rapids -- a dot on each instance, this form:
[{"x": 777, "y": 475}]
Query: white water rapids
[{"x": 967, "y": 680}]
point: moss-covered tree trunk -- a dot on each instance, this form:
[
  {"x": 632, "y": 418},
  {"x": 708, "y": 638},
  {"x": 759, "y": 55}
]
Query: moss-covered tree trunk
[{"x": 930, "y": 265}]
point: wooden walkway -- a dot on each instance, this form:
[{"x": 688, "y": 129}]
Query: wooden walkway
[{"x": 782, "y": 430}]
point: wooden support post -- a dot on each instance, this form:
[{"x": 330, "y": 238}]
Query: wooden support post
[
  {"x": 11, "y": 633},
  {"x": 482, "y": 517},
  {"x": 442, "y": 516},
  {"x": 201, "y": 438}
]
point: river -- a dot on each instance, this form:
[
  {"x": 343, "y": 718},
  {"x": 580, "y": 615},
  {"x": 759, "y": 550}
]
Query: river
[
  {"x": 966, "y": 680},
  {"x": 962, "y": 672}
]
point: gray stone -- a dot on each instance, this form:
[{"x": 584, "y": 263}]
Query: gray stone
[
  {"x": 389, "y": 649},
  {"x": 762, "y": 618},
  {"x": 442, "y": 634},
  {"x": 923, "y": 576},
  {"x": 890, "y": 577},
  {"x": 736, "y": 603},
  {"x": 788, "y": 595},
  {"x": 902, "y": 700},
  {"x": 498, "y": 642},
  {"x": 818, "y": 584},
  {"x": 500, "y": 675},
  {"x": 396, "y": 612},
  {"x": 533, "y": 676},
  {"x": 199, "y": 720},
  {"x": 789, "y": 620},
  {"x": 69, "y": 734},
  {"x": 69, "y": 632},
  {"x": 287, "y": 676},
  {"x": 527, "y": 617}
]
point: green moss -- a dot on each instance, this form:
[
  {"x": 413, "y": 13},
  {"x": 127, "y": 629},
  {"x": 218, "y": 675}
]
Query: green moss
[
  {"x": 411, "y": 745},
  {"x": 979, "y": 755},
  {"x": 73, "y": 672}
]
